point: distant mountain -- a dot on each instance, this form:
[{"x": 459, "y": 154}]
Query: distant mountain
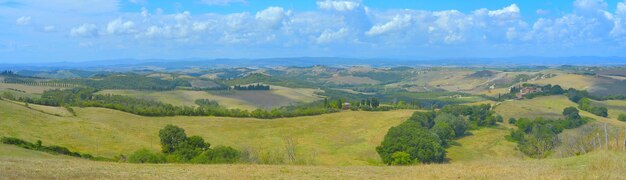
[{"x": 173, "y": 64}]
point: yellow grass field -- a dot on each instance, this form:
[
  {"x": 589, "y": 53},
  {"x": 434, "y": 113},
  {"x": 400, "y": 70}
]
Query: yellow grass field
[
  {"x": 16, "y": 163},
  {"x": 568, "y": 81}
]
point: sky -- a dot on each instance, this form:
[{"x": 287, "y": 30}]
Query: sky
[{"x": 71, "y": 30}]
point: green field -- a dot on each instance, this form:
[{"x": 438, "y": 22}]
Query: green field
[
  {"x": 248, "y": 100},
  {"x": 346, "y": 138}
]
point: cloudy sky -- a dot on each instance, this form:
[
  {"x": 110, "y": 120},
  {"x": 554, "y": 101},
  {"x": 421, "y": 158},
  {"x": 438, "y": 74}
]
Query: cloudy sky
[{"x": 81, "y": 30}]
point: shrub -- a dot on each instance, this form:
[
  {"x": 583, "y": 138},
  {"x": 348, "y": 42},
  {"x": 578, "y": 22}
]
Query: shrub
[
  {"x": 410, "y": 137},
  {"x": 512, "y": 120},
  {"x": 146, "y": 156},
  {"x": 401, "y": 158},
  {"x": 622, "y": 117},
  {"x": 217, "y": 155}
]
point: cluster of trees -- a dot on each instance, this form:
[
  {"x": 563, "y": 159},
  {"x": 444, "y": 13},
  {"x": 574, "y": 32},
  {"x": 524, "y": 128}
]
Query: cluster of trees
[
  {"x": 425, "y": 135},
  {"x": 584, "y": 102},
  {"x": 252, "y": 87},
  {"x": 585, "y": 105},
  {"x": 478, "y": 116},
  {"x": 53, "y": 149},
  {"x": 85, "y": 97},
  {"x": 128, "y": 81},
  {"x": 176, "y": 147},
  {"x": 536, "y": 138}
]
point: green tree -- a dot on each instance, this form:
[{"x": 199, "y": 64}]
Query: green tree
[
  {"x": 410, "y": 137},
  {"x": 444, "y": 131},
  {"x": 171, "y": 138},
  {"x": 458, "y": 124},
  {"x": 622, "y": 117}
]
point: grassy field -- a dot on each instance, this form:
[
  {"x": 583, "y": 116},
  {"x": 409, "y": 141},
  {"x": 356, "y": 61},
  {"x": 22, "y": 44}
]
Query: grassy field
[
  {"x": 26, "y": 88},
  {"x": 351, "y": 80},
  {"x": 346, "y": 138},
  {"x": 552, "y": 107},
  {"x": 18, "y": 163},
  {"x": 249, "y": 100}
]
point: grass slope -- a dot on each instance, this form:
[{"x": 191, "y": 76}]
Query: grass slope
[
  {"x": 249, "y": 100},
  {"x": 25, "y": 164},
  {"x": 346, "y": 138}
]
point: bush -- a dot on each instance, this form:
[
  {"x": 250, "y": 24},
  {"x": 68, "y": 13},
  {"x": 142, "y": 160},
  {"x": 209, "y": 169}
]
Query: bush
[
  {"x": 146, "y": 156},
  {"x": 622, "y": 117},
  {"x": 217, "y": 155},
  {"x": 401, "y": 158},
  {"x": 512, "y": 120},
  {"x": 410, "y": 137}
]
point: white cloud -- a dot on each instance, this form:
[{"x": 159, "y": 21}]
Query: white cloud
[
  {"x": 329, "y": 36},
  {"x": 511, "y": 11},
  {"x": 223, "y": 2},
  {"x": 85, "y": 30},
  {"x": 24, "y": 20},
  {"x": 336, "y": 5},
  {"x": 542, "y": 12},
  {"x": 396, "y": 23},
  {"x": 272, "y": 16},
  {"x": 118, "y": 26}
]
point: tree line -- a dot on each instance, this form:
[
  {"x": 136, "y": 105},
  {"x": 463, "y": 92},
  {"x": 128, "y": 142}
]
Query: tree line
[
  {"x": 86, "y": 97},
  {"x": 52, "y": 149},
  {"x": 252, "y": 87}
]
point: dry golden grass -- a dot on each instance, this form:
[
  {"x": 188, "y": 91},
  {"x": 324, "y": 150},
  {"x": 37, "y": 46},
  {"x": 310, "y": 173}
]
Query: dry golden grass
[
  {"x": 596, "y": 165},
  {"x": 568, "y": 81}
]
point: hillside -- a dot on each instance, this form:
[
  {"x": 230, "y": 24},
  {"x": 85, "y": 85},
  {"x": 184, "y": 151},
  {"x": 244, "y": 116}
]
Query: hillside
[
  {"x": 20, "y": 163},
  {"x": 346, "y": 138}
]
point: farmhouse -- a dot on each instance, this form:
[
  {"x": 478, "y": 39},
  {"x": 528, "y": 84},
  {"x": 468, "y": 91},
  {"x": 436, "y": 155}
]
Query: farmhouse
[{"x": 527, "y": 90}]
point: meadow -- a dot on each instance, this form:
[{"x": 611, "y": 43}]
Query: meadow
[
  {"x": 19, "y": 163},
  {"x": 249, "y": 100},
  {"x": 346, "y": 138}
]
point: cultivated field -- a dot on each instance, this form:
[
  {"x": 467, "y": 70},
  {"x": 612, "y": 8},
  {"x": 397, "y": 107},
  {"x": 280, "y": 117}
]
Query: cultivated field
[{"x": 248, "y": 100}]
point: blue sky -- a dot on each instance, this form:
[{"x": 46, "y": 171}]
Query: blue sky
[{"x": 70, "y": 30}]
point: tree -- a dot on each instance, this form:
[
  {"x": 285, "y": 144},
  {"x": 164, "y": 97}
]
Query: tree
[
  {"x": 410, "y": 137},
  {"x": 512, "y": 120},
  {"x": 458, "y": 124},
  {"x": 622, "y": 117},
  {"x": 171, "y": 138},
  {"x": 444, "y": 131},
  {"x": 571, "y": 112}
]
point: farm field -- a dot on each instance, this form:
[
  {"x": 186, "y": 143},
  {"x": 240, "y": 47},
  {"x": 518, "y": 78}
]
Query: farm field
[
  {"x": 346, "y": 138},
  {"x": 248, "y": 100}
]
